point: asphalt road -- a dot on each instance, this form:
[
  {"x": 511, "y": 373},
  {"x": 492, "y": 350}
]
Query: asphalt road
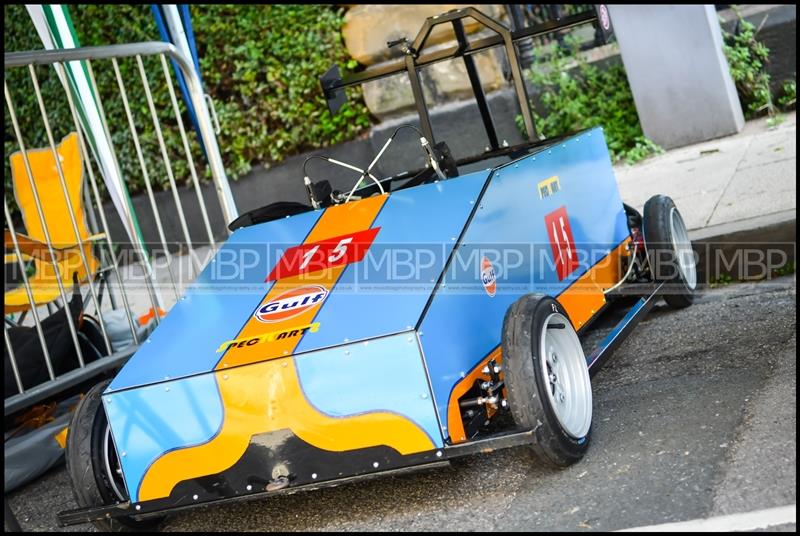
[{"x": 695, "y": 416}]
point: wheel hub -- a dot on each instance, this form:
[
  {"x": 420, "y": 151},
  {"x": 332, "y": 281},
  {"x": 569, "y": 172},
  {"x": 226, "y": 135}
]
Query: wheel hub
[
  {"x": 565, "y": 368},
  {"x": 683, "y": 249}
]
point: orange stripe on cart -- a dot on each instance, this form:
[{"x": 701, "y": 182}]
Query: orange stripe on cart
[
  {"x": 585, "y": 296},
  {"x": 267, "y": 397},
  {"x": 581, "y": 300},
  {"x": 454, "y": 423},
  {"x": 279, "y": 339}
]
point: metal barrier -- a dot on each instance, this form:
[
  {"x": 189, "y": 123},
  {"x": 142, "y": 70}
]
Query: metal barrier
[{"x": 63, "y": 258}]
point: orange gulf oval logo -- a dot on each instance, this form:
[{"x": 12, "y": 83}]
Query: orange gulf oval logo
[
  {"x": 291, "y": 303},
  {"x": 488, "y": 277}
]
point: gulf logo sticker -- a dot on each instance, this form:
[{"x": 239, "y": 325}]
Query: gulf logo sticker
[
  {"x": 488, "y": 277},
  {"x": 291, "y": 303}
]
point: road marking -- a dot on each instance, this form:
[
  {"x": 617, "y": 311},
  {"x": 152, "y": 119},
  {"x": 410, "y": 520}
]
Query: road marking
[{"x": 759, "y": 519}]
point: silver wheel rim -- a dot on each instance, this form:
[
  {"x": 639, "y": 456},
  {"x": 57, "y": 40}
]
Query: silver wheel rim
[
  {"x": 683, "y": 248},
  {"x": 111, "y": 465},
  {"x": 566, "y": 376}
]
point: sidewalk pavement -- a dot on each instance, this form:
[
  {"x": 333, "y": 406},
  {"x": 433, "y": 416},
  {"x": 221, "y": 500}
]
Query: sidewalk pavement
[{"x": 738, "y": 181}]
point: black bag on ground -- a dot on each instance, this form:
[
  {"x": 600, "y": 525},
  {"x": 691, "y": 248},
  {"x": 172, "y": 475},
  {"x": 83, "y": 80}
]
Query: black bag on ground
[{"x": 55, "y": 328}]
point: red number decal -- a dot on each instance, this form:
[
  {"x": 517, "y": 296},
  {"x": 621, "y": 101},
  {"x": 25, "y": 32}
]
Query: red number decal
[
  {"x": 561, "y": 242},
  {"x": 324, "y": 254}
]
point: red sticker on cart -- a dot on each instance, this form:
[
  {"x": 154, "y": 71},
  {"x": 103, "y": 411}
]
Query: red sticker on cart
[
  {"x": 315, "y": 256},
  {"x": 561, "y": 242}
]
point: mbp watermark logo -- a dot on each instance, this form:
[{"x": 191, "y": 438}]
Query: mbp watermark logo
[{"x": 545, "y": 265}]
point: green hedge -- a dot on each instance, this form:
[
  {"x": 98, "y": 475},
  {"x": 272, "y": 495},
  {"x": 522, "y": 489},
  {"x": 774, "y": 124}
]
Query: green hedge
[
  {"x": 575, "y": 95},
  {"x": 260, "y": 64}
]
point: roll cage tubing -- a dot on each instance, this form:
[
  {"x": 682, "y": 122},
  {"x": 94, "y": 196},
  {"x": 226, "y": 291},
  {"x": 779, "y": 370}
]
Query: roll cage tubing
[{"x": 333, "y": 84}]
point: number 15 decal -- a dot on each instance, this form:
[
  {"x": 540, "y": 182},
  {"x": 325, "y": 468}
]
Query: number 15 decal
[
  {"x": 324, "y": 254},
  {"x": 562, "y": 242}
]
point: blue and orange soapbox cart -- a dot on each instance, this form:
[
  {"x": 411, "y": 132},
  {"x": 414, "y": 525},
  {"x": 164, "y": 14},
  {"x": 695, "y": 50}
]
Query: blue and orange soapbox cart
[{"x": 395, "y": 326}]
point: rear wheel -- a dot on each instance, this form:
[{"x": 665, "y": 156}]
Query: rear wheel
[
  {"x": 547, "y": 379},
  {"x": 669, "y": 251},
  {"x": 93, "y": 466}
]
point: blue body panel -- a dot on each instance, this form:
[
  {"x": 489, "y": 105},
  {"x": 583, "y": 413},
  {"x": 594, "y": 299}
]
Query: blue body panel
[
  {"x": 463, "y": 323},
  {"x": 218, "y": 303},
  {"x": 387, "y": 373},
  {"x": 224, "y": 296},
  {"x": 153, "y": 420},
  {"x": 387, "y": 291}
]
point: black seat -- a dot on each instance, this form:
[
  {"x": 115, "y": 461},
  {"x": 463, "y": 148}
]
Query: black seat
[{"x": 273, "y": 211}]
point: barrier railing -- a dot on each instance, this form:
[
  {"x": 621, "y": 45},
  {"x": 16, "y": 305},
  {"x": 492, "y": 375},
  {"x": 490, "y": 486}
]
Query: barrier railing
[{"x": 60, "y": 265}]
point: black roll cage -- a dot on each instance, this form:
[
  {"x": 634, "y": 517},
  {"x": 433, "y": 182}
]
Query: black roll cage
[{"x": 334, "y": 84}]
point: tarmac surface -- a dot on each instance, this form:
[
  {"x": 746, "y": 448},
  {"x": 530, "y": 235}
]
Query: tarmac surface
[{"x": 694, "y": 417}]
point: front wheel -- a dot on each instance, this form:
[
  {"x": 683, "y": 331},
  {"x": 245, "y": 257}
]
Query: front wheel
[
  {"x": 93, "y": 466},
  {"x": 547, "y": 379},
  {"x": 669, "y": 251}
]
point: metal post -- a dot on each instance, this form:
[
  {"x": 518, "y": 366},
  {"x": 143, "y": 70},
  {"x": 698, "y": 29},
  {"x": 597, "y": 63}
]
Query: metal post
[
  {"x": 419, "y": 99},
  {"x": 164, "y": 152},
  {"x": 477, "y": 88},
  {"x": 149, "y": 274},
  {"x": 525, "y": 45},
  {"x": 145, "y": 175},
  {"x": 521, "y": 90},
  {"x": 98, "y": 200},
  {"x": 201, "y": 109},
  {"x": 188, "y": 151},
  {"x": 13, "y": 359}
]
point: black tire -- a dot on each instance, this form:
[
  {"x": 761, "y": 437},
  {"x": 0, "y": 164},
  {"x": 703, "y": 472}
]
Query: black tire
[
  {"x": 530, "y": 406},
  {"x": 91, "y": 484},
  {"x": 662, "y": 254}
]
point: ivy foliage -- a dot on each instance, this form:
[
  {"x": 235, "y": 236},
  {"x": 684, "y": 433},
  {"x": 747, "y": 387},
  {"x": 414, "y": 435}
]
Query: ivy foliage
[
  {"x": 788, "y": 98},
  {"x": 575, "y": 95},
  {"x": 747, "y": 58},
  {"x": 260, "y": 64}
]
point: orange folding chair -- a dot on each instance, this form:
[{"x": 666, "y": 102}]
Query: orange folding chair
[{"x": 33, "y": 245}]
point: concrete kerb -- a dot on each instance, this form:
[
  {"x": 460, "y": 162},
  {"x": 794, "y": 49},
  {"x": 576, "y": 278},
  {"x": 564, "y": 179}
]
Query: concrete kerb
[{"x": 750, "y": 249}]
